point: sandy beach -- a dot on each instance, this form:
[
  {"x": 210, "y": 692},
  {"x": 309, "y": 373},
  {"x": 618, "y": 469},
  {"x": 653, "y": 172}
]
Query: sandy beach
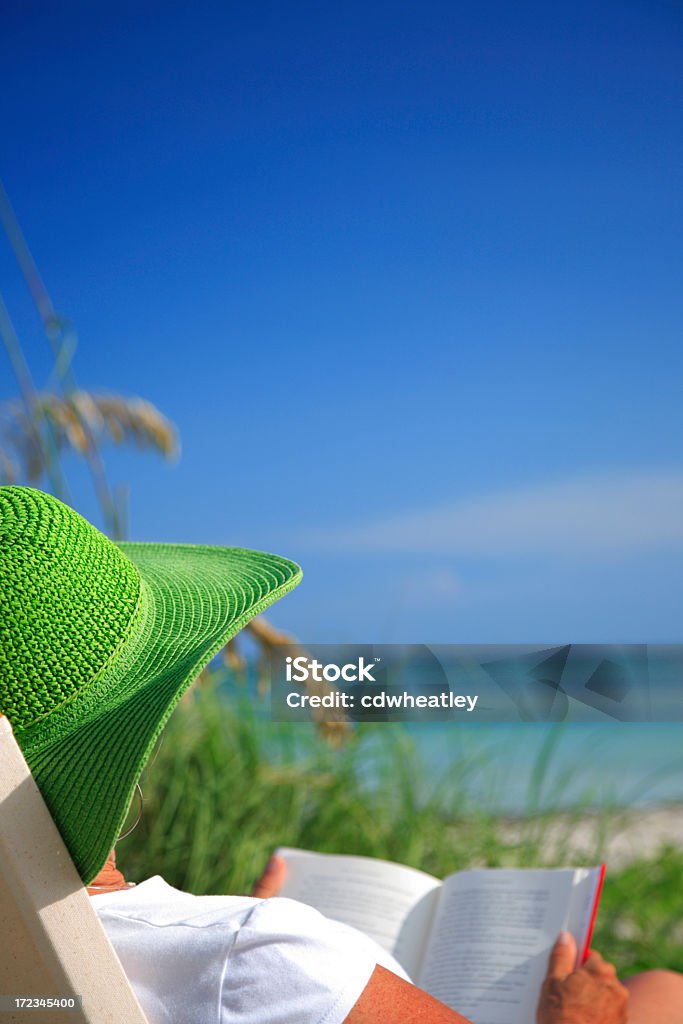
[{"x": 625, "y": 835}]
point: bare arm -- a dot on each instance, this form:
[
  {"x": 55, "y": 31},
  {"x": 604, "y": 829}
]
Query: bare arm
[{"x": 387, "y": 998}]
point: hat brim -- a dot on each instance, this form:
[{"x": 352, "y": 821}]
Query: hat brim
[{"x": 88, "y": 756}]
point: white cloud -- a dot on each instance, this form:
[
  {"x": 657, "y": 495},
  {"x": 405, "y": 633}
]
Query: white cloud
[{"x": 609, "y": 513}]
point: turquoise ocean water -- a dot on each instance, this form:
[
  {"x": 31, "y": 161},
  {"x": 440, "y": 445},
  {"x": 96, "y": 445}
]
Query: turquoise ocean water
[
  {"x": 620, "y": 763},
  {"x": 592, "y": 764}
]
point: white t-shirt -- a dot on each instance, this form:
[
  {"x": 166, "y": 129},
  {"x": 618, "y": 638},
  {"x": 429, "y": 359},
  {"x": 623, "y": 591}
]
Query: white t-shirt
[{"x": 236, "y": 959}]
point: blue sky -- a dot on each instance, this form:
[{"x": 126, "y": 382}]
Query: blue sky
[{"x": 406, "y": 277}]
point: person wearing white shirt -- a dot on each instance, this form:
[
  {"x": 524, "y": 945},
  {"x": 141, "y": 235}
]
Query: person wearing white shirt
[{"x": 268, "y": 960}]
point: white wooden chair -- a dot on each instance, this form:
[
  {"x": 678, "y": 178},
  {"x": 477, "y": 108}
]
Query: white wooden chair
[{"x": 51, "y": 941}]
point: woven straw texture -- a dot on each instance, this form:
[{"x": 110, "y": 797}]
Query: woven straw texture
[{"x": 98, "y": 642}]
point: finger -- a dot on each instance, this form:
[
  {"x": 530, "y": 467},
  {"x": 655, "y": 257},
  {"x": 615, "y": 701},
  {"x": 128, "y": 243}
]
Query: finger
[
  {"x": 272, "y": 879},
  {"x": 596, "y": 965},
  {"x": 562, "y": 957}
]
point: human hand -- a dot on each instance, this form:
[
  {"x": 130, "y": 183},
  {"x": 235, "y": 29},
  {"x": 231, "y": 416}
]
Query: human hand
[
  {"x": 272, "y": 879},
  {"x": 590, "y": 995}
]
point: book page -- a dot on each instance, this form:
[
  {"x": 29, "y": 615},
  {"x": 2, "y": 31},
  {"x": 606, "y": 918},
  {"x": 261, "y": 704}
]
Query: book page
[
  {"x": 586, "y": 884},
  {"x": 491, "y": 937},
  {"x": 391, "y": 903}
]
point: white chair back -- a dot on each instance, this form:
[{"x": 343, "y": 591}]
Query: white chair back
[{"x": 52, "y": 944}]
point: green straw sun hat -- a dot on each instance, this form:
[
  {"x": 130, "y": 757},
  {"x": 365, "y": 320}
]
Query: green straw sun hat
[{"x": 98, "y": 642}]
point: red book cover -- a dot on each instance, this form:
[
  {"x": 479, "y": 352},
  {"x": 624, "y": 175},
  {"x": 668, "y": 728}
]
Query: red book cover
[{"x": 594, "y": 914}]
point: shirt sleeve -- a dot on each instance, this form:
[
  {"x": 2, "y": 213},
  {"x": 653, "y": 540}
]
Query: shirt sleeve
[{"x": 290, "y": 965}]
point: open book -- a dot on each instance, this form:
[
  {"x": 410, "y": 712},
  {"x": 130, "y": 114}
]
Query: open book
[{"x": 479, "y": 941}]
